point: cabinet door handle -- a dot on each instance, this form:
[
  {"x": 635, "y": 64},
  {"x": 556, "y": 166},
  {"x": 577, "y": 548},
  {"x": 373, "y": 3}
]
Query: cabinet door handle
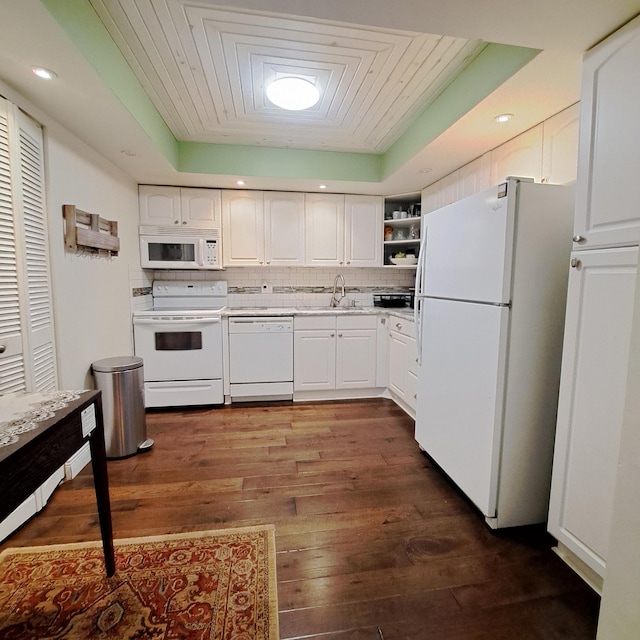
[
  {"x": 398, "y": 325},
  {"x": 184, "y": 222},
  {"x": 176, "y": 222},
  {"x": 339, "y": 335},
  {"x": 575, "y": 263},
  {"x": 579, "y": 239},
  {"x": 3, "y": 348}
]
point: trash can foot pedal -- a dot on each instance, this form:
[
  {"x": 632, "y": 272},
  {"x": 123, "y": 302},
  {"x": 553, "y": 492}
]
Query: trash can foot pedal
[{"x": 147, "y": 445}]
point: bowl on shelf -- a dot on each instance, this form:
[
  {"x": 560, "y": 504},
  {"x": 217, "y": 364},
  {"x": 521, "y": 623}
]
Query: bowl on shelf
[{"x": 406, "y": 261}]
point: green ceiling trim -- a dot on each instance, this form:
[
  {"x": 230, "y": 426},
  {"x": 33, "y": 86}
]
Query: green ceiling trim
[
  {"x": 247, "y": 161},
  {"x": 85, "y": 29},
  {"x": 495, "y": 64},
  {"x": 488, "y": 70}
]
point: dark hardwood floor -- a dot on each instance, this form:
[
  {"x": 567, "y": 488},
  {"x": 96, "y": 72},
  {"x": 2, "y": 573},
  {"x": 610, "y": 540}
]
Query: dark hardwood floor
[{"x": 372, "y": 540}]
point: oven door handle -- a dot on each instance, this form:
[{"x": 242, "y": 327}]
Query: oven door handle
[{"x": 176, "y": 321}]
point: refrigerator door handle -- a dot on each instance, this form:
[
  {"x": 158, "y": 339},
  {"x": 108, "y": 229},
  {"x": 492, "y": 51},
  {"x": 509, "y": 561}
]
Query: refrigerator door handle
[{"x": 419, "y": 291}]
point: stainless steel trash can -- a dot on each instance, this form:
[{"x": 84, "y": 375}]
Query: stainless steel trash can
[{"x": 121, "y": 381}]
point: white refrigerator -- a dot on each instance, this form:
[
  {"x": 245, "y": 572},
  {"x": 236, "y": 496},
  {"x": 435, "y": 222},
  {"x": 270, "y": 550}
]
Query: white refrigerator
[{"x": 490, "y": 304}]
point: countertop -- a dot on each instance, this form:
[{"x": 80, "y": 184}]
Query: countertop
[{"x": 402, "y": 312}]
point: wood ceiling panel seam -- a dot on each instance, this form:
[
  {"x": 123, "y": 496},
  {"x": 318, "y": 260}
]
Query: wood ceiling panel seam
[{"x": 136, "y": 51}]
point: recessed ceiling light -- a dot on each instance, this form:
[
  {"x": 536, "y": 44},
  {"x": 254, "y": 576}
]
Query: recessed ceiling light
[
  {"x": 322, "y": 186},
  {"x": 503, "y": 117},
  {"x": 240, "y": 183},
  {"x": 129, "y": 154},
  {"x": 293, "y": 94},
  {"x": 41, "y": 72}
]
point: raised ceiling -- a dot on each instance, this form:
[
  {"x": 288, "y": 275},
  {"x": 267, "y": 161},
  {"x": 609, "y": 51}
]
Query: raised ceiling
[
  {"x": 206, "y": 69},
  {"x": 98, "y": 97}
]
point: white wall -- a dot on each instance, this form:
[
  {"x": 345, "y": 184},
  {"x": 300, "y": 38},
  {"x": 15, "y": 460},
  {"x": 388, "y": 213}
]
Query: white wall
[
  {"x": 91, "y": 294},
  {"x": 91, "y": 297}
]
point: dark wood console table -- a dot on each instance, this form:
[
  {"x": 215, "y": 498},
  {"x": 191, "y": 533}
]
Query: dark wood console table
[{"x": 27, "y": 463}]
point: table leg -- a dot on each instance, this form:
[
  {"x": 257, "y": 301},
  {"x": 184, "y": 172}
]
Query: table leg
[{"x": 101, "y": 484}]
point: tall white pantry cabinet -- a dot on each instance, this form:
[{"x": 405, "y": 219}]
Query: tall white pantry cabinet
[{"x": 599, "y": 306}]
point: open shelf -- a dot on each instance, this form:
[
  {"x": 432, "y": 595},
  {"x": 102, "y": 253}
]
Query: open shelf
[{"x": 403, "y": 232}]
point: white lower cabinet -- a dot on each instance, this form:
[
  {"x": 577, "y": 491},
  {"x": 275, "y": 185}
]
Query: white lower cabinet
[
  {"x": 590, "y": 410},
  {"x": 403, "y": 362},
  {"x": 334, "y": 352}
]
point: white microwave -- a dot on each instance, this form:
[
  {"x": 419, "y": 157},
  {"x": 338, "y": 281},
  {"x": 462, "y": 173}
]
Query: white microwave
[{"x": 169, "y": 248}]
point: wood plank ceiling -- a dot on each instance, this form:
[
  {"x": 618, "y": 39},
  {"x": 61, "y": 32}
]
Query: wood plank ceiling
[{"x": 206, "y": 69}]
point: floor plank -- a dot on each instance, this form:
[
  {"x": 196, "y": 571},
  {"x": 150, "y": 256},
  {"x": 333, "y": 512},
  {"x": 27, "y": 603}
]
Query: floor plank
[{"x": 371, "y": 538}]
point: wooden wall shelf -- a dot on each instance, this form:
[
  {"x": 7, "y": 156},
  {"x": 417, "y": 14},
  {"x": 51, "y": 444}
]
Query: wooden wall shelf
[{"x": 89, "y": 231}]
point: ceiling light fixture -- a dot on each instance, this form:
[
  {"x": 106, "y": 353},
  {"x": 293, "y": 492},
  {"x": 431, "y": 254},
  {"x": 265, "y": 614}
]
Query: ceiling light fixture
[
  {"x": 240, "y": 183},
  {"x": 322, "y": 186},
  {"x": 503, "y": 117},
  {"x": 46, "y": 74},
  {"x": 293, "y": 94}
]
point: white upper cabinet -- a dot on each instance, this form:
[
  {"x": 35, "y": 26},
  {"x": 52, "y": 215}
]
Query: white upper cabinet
[
  {"x": 343, "y": 230},
  {"x": 474, "y": 177},
  {"x": 363, "y": 221},
  {"x": 159, "y": 206},
  {"x": 284, "y": 229},
  {"x": 200, "y": 208},
  {"x": 263, "y": 228},
  {"x": 449, "y": 187},
  {"x": 431, "y": 198},
  {"x": 608, "y": 194},
  {"x": 560, "y": 146},
  {"x": 324, "y": 222},
  {"x": 176, "y": 206},
  {"x": 243, "y": 228},
  {"x": 520, "y": 157}
]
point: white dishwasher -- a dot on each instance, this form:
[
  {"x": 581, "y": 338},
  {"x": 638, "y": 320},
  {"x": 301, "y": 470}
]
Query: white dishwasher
[{"x": 260, "y": 358}]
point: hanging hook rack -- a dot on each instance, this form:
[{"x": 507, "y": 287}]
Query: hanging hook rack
[{"x": 90, "y": 231}]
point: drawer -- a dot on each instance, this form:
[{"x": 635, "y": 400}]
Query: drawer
[
  {"x": 358, "y": 322},
  {"x": 412, "y": 357},
  {"x": 405, "y": 327},
  {"x": 412, "y": 390},
  {"x": 314, "y": 322}
]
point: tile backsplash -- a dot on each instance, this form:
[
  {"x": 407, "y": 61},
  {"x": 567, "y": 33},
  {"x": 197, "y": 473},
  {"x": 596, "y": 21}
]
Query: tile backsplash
[{"x": 292, "y": 286}]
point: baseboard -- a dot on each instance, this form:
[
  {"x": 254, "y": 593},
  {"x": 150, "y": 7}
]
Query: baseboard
[
  {"x": 77, "y": 462},
  {"x": 594, "y": 580}
]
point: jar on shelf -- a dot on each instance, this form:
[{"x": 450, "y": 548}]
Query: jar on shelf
[{"x": 388, "y": 233}]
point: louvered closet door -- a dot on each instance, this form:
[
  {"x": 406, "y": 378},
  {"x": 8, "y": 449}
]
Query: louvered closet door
[
  {"x": 12, "y": 370},
  {"x": 35, "y": 281}
]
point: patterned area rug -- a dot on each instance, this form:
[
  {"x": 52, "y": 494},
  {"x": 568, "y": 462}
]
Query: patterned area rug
[{"x": 213, "y": 585}]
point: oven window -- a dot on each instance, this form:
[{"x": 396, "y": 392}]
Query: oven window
[
  {"x": 178, "y": 340},
  {"x": 172, "y": 252}
]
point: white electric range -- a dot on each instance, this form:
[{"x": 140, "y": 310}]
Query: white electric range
[{"x": 180, "y": 343}]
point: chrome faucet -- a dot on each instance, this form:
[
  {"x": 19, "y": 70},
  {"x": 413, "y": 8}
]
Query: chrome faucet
[{"x": 335, "y": 301}]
